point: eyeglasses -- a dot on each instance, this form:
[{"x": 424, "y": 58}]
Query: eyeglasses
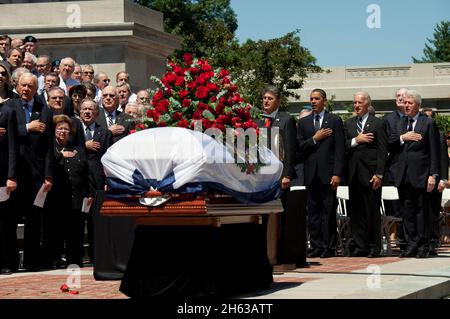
[
  {"x": 87, "y": 72},
  {"x": 4, "y": 73},
  {"x": 106, "y": 80},
  {"x": 110, "y": 95},
  {"x": 143, "y": 98},
  {"x": 57, "y": 97}
]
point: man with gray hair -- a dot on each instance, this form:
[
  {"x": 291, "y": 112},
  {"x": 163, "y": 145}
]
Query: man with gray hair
[
  {"x": 415, "y": 143},
  {"x": 366, "y": 145},
  {"x": 393, "y": 208},
  {"x": 66, "y": 69}
]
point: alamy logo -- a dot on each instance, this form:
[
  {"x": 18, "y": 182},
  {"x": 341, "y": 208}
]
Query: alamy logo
[
  {"x": 74, "y": 19},
  {"x": 374, "y": 19}
]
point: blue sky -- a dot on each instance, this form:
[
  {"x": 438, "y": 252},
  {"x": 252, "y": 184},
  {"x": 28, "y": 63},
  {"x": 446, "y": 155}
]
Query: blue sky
[{"x": 336, "y": 31}]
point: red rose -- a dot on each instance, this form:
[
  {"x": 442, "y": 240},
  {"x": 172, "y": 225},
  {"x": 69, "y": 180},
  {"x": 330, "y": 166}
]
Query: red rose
[
  {"x": 202, "y": 91},
  {"x": 169, "y": 78},
  {"x": 187, "y": 58},
  {"x": 64, "y": 288},
  {"x": 182, "y": 94},
  {"x": 178, "y": 70},
  {"x": 191, "y": 85},
  {"x": 162, "y": 106},
  {"x": 197, "y": 116},
  {"x": 206, "y": 124},
  {"x": 193, "y": 70},
  {"x": 141, "y": 126},
  {"x": 179, "y": 81},
  {"x": 162, "y": 124},
  {"x": 158, "y": 96},
  {"x": 235, "y": 120},
  {"x": 223, "y": 73},
  {"x": 212, "y": 86},
  {"x": 186, "y": 103},
  {"x": 132, "y": 131},
  {"x": 177, "y": 116},
  {"x": 219, "y": 126},
  {"x": 183, "y": 123},
  {"x": 74, "y": 292}
]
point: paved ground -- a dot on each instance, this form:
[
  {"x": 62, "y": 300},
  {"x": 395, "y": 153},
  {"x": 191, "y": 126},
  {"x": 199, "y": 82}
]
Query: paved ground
[{"x": 331, "y": 278}]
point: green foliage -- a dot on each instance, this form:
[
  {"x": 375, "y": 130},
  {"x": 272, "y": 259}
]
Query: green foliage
[
  {"x": 207, "y": 28},
  {"x": 443, "y": 122},
  {"x": 282, "y": 62},
  {"x": 329, "y": 104},
  {"x": 439, "y": 48}
]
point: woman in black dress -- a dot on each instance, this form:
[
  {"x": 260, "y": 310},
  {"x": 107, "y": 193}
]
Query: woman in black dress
[{"x": 71, "y": 185}]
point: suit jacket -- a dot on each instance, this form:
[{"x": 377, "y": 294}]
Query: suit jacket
[
  {"x": 36, "y": 149},
  {"x": 123, "y": 119},
  {"x": 71, "y": 181},
  {"x": 68, "y": 106},
  {"x": 324, "y": 158},
  {"x": 104, "y": 137},
  {"x": 366, "y": 159},
  {"x": 286, "y": 124},
  {"x": 9, "y": 145},
  {"x": 391, "y": 121},
  {"x": 416, "y": 160}
]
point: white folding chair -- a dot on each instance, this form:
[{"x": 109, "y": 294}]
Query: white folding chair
[
  {"x": 388, "y": 193},
  {"x": 343, "y": 221},
  {"x": 445, "y": 204}
]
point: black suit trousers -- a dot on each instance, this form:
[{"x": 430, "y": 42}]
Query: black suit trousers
[
  {"x": 365, "y": 216},
  {"x": 417, "y": 215},
  {"x": 322, "y": 225}
]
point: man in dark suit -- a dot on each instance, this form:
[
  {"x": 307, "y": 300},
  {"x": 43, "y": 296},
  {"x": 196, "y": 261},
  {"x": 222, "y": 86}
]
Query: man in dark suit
[
  {"x": 289, "y": 223},
  {"x": 393, "y": 208},
  {"x": 415, "y": 172},
  {"x": 51, "y": 80},
  {"x": 109, "y": 117},
  {"x": 35, "y": 165},
  {"x": 9, "y": 153},
  {"x": 322, "y": 144},
  {"x": 112, "y": 236},
  {"x": 366, "y": 145}
]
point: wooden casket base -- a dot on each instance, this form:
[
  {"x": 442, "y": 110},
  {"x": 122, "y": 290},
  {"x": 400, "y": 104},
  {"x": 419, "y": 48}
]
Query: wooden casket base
[{"x": 202, "y": 247}]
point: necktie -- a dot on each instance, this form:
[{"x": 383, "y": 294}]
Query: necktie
[
  {"x": 110, "y": 120},
  {"x": 359, "y": 126},
  {"x": 410, "y": 124},
  {"x": 27, "y": 113},
  {"x": 88, "y": 134},
  {"x": 317, "y": 122},
  {"x": 267, "y": 122}
]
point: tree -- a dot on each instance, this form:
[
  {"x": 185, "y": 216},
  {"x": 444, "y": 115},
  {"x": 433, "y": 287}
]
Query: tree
[
  {"x": 207, "y": 28},
  {"x": 438, "y": 49},
  {"x": 282, "y": 62},
  {"x": 205, "y": 25}
]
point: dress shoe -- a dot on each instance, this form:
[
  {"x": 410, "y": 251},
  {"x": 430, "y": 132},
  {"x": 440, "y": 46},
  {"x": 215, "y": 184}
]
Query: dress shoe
[
  {"x": 315, "y": 253},
  {"x": 327, "y": 254},
  {"x": 6, "y": 271},
  {"x": 432, "y": 252},
  {"x": 422, "y": 253},
  {"x": 410, "y": 252},
  {"x": 360, "y": 253},
  {"x": 373, "y": 254}
]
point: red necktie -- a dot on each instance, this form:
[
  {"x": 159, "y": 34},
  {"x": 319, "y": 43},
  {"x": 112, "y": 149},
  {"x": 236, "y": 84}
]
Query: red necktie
[{"x": 267, "y": 122}]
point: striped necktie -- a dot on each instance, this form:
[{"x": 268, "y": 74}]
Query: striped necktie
[
  {"x": 110, "y": 120},
  {"x": 359, "y": 125}
]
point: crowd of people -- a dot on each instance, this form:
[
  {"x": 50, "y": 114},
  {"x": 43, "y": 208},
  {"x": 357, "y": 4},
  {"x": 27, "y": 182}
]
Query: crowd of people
[
  {"x": 403, "y": 149},
  {"x": 57, "y": 119}
]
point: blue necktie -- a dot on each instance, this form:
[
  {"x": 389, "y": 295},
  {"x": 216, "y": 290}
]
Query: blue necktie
[
  {"x": 410, "y": 125},
  {"x": 27, "y": 113}
]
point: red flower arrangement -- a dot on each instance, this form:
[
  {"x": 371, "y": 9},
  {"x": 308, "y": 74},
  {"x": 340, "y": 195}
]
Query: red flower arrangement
[{"x": 191, "y": 90}]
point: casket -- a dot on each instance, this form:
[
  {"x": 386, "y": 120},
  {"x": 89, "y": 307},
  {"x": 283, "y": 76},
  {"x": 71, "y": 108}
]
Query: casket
[{"x": 190, "y": 210}]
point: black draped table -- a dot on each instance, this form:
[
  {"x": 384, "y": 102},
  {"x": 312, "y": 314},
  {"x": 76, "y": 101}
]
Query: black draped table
[{"x": 196, "y": 247}]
